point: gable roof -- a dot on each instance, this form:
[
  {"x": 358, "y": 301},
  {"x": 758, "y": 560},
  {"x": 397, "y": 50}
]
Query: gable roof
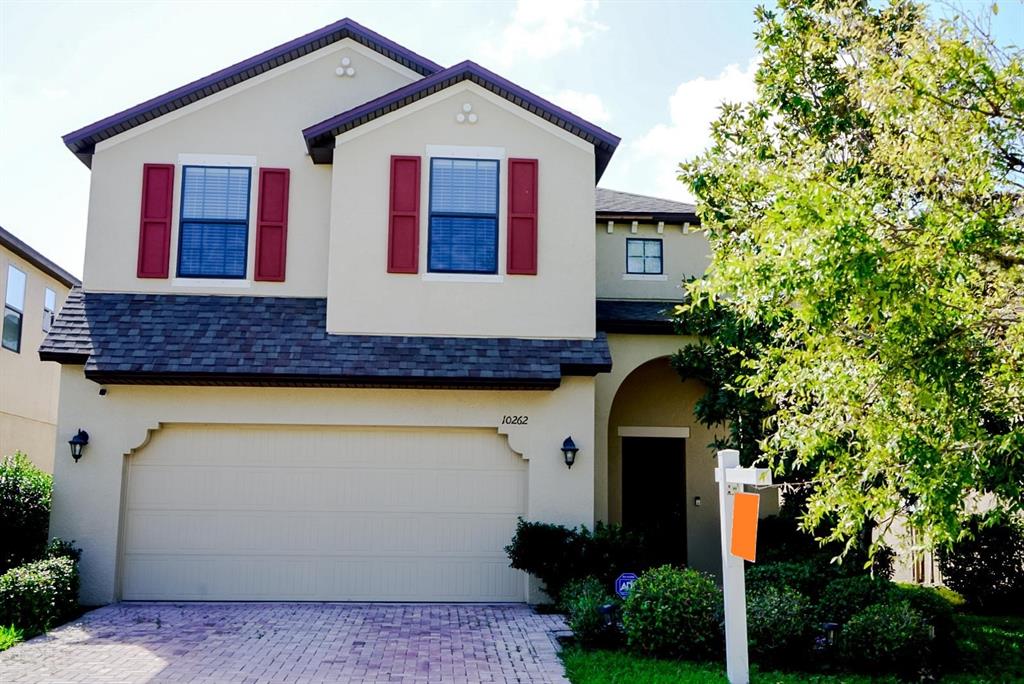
[
  {"x": 320, "y": 137},
  {"x": 124, "y": 338},
  {"x": 19, "y": 247},
  {"x": 615, "y": 203},
  {"x": 83, "y": 141}
]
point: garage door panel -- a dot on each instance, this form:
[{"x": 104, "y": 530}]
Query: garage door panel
[{"x": 322, "y": 514}]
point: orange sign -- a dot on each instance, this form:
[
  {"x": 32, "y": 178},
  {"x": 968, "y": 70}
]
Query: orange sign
[{"x": 744, "y": 525}]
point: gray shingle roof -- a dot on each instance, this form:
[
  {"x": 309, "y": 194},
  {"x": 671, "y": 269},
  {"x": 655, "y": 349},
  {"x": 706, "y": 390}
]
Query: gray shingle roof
[
  {"x": 202, "y": 339},
  {"x": 635, "y": 316},
  {"x": 619, "y": 203},
  {"x": 22, "y": 249}
]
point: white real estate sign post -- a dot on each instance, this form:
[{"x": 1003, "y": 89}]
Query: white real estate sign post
[{"x": 731, "y": 478}]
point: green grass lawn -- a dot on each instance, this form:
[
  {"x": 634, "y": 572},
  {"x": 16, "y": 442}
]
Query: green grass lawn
[
  {"x": 991, "y": 650},
  {"x": 9, "y": 636}
]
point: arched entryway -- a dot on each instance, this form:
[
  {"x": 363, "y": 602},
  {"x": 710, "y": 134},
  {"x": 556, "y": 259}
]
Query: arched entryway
[{"x": 660, "y": 464}]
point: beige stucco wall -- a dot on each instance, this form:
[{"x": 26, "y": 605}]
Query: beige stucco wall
[
  {"x": 643, "y": 390},
  {"x": 262, "y": 118},
  {"x": 28, "y": 386},
  {"x": 686, "y": 254},
  {"x": 363, "y": 298},
  {"x": 88, "y": 494}
]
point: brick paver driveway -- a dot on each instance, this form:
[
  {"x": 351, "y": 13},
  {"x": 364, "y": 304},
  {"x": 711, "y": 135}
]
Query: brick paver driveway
[{"x": 293, "y": 642}]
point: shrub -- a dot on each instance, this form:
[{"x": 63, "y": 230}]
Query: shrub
[
  {"x": 937, "y": 612},
  {"x": 582, "y": 601},
  {"x": 778, "y": 624},
  {"x": 10, "y": 636},
  {"x": 885, "y": 637},
  {"x": 24, "y": 511},
  {"x": 674, "y": 613},
  {"x": 844, "y": 597},
  {"x": 58, "y": 548},
  {"x": 556, "y": 554},
  {"x": 987, "y": 567},
  {"x": 39, "y": 595},
  {"x": 807, "y": 577}
]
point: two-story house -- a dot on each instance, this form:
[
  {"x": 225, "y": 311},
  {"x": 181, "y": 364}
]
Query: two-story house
[
  {"x": 32, "y": 288},
  {"x": 346, "y": 314}
]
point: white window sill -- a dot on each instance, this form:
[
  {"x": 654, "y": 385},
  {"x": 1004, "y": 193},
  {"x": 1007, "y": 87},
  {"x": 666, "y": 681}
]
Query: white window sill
[
  {"x": 644, "y": 276},
  {"x": 462, "y": 278},
  {"x": 211, "y": 282}
]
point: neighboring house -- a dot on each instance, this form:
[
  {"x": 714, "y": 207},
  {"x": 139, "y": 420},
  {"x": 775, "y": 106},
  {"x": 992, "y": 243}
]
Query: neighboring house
[
  {"x": 337, "y": 323},
  {"x": 33, "y": 289}
]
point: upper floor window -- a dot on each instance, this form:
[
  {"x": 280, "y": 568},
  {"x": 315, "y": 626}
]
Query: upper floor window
[
  {"x": 643, "y": 256},
  {"x": 49, "y": 309},
  {"x": 463, "y": 229},
  {"x": 14, "y": 308},
  {"x": 213, "y": 236}
]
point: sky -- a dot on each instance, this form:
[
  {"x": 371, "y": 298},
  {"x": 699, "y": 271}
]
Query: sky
[{"x": 651, "y": 72}]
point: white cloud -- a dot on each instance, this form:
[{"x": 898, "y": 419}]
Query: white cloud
[
  {"x": 586, "y": 105},
  {"x": 692, "y": 108},
  {"x": 542, "y": 28}
]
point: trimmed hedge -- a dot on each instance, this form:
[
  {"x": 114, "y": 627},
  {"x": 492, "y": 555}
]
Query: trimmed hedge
[
  {"x": 24, "y": 511},
  {"x": 39, "y": 595},
  {"x": 779, "y": 626},
  {"x": 674, "y": 613},
  {"x": 582, "y": 601},
  {"x": 886, "y": 637}
]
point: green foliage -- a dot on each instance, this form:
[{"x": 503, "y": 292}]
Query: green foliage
[
  {"x": 867, "y": 209},
  {"x": 556, "y": 554},
  {"x": 986, "y": 567},
  {"x": 674, "y": 613},
  {"x": 846, "y": 596},
  {"x": 39, "y": 595},
  {"x": 808, "y": 577},
  {"x": 885, "y": 637},
  {"x": 24, "y": 511},
  {"x": 938, "y": 613},
  {"x": 582, "y": 601},
  {"x": 10, "y": 636},
  {"x": 58, "y": 548},
  {"x": 726, "y": 343},
  {"x": 779, "y": 625}
]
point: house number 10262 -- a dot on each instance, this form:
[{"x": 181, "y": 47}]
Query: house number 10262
[{"x": 515, "y": 420}]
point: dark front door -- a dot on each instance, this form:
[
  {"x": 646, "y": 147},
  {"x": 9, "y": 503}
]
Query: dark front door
[{"x": 654, "y": 493}]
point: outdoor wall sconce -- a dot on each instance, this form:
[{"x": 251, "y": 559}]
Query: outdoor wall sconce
[
  {"x": 569, "y": 450},
  {"x": 77, "y": 444}
]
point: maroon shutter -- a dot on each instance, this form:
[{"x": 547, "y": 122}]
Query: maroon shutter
[
  {"x": 272, "y": 224},
  {"x": 155, "y": 221},
  {"x": 404, "y": 218},
  {"x": 522, "y": 216}
]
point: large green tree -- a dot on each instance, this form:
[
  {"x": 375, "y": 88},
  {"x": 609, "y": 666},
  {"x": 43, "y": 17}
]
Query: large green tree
[{"x": 867, "y": 208}]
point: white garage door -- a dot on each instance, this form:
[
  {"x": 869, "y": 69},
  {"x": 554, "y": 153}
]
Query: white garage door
[{"x": 322, "y": 514}]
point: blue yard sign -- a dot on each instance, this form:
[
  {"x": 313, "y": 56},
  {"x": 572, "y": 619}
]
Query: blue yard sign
[{"x": 624, "y": 584}]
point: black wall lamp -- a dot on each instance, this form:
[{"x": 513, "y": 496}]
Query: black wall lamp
[
  {"x": 569, "y": 450},
  {"x": 77, "y": 444}
]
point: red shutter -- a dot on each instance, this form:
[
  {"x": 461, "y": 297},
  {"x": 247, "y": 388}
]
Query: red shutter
[
  {"x": 522, "y": 216},
  {"x": 272, "y": 224},
  {"x": 155, "y": 222},
  {"x": 404, "y": 219}
]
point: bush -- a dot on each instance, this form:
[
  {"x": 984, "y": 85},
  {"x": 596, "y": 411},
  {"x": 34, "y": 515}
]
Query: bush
[
  {"x": 556, "y": 554},
  {"x": 844, "y": 597},
  {"x": 987, "y": 568},
  {"x": 778, "y": 624},
  {"x": 39, "y": 595},
  {"x": 58, "y": 548},
  {"x": 674, "y": 613},
  {"x": 938, "y": 613},
  {"x": 24, "y": 511},
  {"x": 582, "y": 601},
  {"x": 807, "y": 577},
  {"x": 886, "y": 637}
]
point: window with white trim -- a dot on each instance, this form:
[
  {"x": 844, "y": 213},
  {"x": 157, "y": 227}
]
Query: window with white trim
[
  {"x": 14, "y": 309},
  {"x": 213, "y": 233},
  {"x": 463, "y": 225},
  {"x": 49, "y": 309},
  {"x": 644, "y": 256}
]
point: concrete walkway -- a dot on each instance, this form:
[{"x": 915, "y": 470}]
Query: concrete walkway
[{"x": 224, "y": 643}]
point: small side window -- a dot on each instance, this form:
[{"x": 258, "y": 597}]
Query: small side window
[
  {"x": 644, "y": 256},
  {"x": 49, "y": 309},
  {"x": 14, "y": 309}
]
